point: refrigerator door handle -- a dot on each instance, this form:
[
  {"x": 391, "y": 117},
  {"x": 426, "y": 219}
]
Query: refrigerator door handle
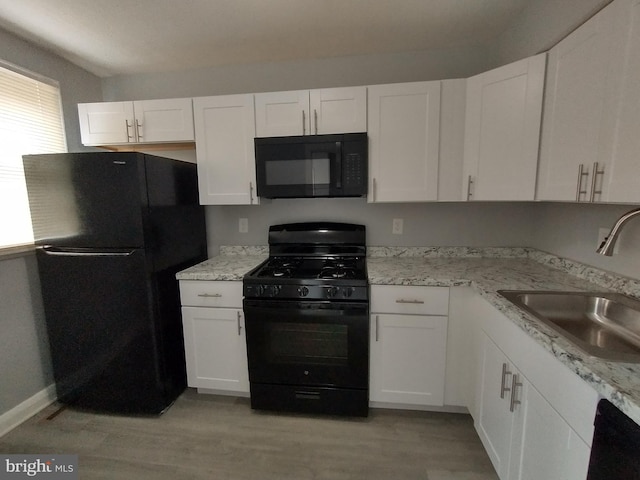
[{"x": 85, "y": 252}]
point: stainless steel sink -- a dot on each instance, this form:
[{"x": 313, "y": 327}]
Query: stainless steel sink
[{"x": 604, "y": 325}]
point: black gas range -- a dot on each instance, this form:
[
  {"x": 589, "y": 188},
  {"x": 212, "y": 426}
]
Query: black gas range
[{"x": 307, "y": 320}]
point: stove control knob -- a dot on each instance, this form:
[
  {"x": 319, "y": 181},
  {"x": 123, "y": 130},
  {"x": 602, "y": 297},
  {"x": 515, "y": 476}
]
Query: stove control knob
[
  {"x": 332, "y": 292},
  {"x": 303, "y": 291},
  {"x": 348, "y": 291},
  {"x": 272, "y": 290},
  {"x": 261, "y": 290}
]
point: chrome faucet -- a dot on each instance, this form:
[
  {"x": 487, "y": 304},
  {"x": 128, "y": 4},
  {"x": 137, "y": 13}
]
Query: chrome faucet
[{"x": 606, "y": 247}]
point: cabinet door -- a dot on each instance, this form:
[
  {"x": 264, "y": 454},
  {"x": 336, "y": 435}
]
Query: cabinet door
[
  {"x": 166, "y": 120},
  {"x": 577, "y": 84},
  {"x": 106, "y": 123},
  {"x": 338, "y": 110},
  {"x": 225, "y": 153},
  {"x": 621, "y": 162},
  {"x": 215, "y": 349},
  {"x": 493, "y": 419},
  {"x": 281, "y": 114},
  {"x": 502, "y": 131},
  {"x": 543, "y": 444},
  {"x": 404, "y": 138},
  {"x": 408, "y": 354}
]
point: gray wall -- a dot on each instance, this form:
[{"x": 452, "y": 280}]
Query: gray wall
[
  {"x": 425, "y": 224},
  {"x": 324, "y": 73},
  {"x": 25, "y": 366}
]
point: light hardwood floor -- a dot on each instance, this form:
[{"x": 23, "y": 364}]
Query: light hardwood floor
[{"x": 213, "y": 437}]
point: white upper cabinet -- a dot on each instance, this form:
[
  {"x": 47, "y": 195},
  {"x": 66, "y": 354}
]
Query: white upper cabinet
[
  {"x": 404, "y": 136},
  {"x": 225, "y": 153},
  {"x": 311, "y": 112},
  {"x": 280, "y": 114},
  {"x": 502, "y": 131},
  {"x": 338, "y": 110},
  {"x": 621, "y": 160},
  {"x": 145, "y": 121},
  {"x": 589, "y": 146}
]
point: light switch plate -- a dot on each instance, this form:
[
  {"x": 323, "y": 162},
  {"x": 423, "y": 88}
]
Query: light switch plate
[{"x": 243, "y": 225}]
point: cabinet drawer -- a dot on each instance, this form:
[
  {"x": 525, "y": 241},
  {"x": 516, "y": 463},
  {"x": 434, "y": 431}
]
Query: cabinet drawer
[
  {"x": 409, "y": 300},
  {"x": 202, "y": 293}
]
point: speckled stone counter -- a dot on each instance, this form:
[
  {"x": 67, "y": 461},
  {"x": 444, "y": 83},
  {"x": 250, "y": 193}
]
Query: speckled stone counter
[
  {"x": 486, "y": 270},
  {"x": 232, "y": 264},
  {"x": 490, "y": 270}
]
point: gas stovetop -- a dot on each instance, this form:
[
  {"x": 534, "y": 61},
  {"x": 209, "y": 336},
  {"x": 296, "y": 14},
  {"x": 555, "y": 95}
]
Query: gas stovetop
[
  {"x": 308, "y": 278},
  {"x": 312, "y": 261}
]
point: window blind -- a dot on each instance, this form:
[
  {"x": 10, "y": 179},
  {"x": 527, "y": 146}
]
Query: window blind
[{"x": 31, "y": 122}]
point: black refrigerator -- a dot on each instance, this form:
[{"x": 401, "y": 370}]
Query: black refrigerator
[{"x": 111, "y": 231}]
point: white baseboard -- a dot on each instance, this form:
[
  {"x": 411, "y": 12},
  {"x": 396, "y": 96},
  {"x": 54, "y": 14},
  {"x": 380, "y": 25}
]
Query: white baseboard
[{"x": 27, "y": 409}]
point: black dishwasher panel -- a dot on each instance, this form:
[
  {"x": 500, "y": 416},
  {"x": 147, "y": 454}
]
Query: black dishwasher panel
[{"x": 615, "y": 453}]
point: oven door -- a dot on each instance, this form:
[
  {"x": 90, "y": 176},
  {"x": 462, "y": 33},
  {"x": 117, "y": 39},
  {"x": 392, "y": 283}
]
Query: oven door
[{"x": 308, "y": 343}]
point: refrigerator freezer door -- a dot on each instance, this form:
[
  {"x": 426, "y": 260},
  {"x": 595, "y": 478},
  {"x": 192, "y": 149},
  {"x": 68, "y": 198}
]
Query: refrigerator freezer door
[
  {"x": 91, "y": 200},
  {"x": 102, "y": 329}
]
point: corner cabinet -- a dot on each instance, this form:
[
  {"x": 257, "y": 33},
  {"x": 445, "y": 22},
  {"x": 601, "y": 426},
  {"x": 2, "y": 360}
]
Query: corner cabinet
[
  {"x": 590, "y": 142},
  {"x": 502, "y": 131},
  {"x": 214, "y": 336},
  {"x": 404, "y": 139},
  {"x": 138, "y": 122},
  {"x": 533, "y": 415},
  {"x": 225, "y": 129},
  {"x": 311, "y": 112},
  {"x": 408, "y": 345}
]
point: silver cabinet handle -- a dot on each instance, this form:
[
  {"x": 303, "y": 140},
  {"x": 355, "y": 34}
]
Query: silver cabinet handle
[
  {"x": 581, "y": 173},
  {"x": 503, "y": 382},
  {"x": 469, "y": 184},
  {"x": 414, "y": 301},
  {"x": 304, "y": 124},
  {"x": 138, "y": 127},
  {"x": 373, "y": 188},
  {"x": 594, "y": 181},
  {"x": 250, "y": 193},
  {"x": 129, "y": 127},
  {"x": 239, "y": 324},
  {"x": 377, "y": 325},
  {"x": 210, "y": 295},
  {"x": 514, "y": 387},
  {"x": 315, "y": 119}
]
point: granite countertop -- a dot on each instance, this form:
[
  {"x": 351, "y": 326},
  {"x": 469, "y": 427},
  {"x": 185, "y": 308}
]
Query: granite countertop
[{"x": 486, "y": 271}]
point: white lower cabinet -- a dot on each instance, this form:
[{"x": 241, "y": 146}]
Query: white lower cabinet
[
  {"x": 408, "y": 345},
  {"x": 214, "y": 336},
  {"x": 533, "y": 415},
  {"x": 523, "y": 434}
]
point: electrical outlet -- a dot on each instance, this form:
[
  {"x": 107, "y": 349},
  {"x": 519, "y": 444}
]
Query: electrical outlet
[
  {"x": 398, "y": 226},
  {"x": 243, "y": 225}
]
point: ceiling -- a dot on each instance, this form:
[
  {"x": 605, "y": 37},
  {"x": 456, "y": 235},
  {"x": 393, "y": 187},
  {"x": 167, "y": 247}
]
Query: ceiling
[{"x": 123, "y": 37}]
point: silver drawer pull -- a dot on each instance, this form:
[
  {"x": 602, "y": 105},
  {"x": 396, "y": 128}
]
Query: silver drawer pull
[
  {"x": 402, "y": 300},
  {"x": 210, "y": 295}
]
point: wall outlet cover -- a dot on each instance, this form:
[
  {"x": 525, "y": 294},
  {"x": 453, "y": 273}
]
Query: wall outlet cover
[
  {"x": 243, "y": 225},
  {"x": 398, "y": 226}
]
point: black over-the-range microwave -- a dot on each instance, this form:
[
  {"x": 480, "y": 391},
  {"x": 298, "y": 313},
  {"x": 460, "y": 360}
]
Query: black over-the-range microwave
[{"x": 312, "y": 166}]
